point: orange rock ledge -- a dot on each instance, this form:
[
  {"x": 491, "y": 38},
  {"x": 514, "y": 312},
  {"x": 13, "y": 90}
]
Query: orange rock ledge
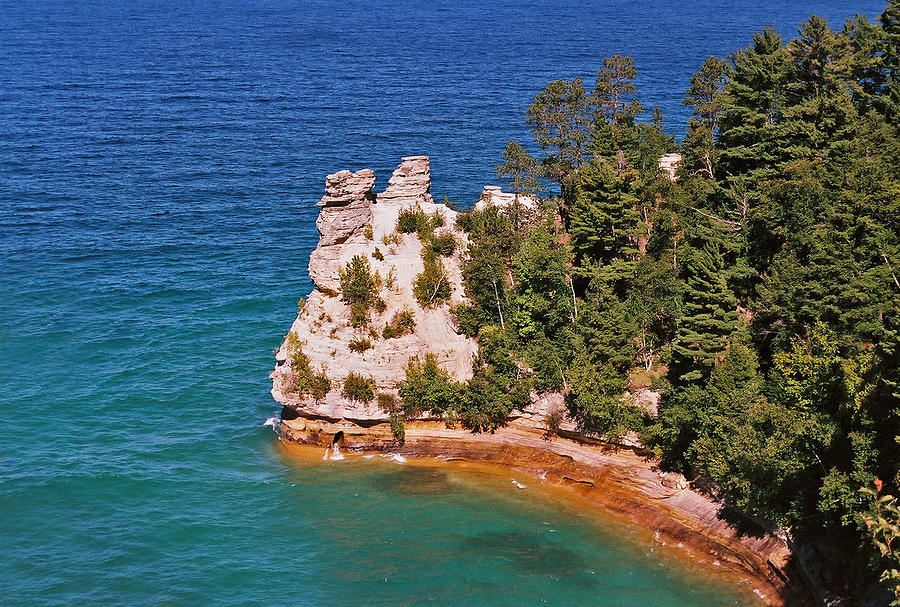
[{"x": 621, "y": 482}]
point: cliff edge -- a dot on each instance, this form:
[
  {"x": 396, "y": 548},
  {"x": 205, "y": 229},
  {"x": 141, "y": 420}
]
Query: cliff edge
[{"x": 355, "y": 222}]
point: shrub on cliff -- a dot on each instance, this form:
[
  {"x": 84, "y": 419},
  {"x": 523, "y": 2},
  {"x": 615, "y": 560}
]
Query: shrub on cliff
[
  {"x": 412, "y": 219},
  {"x": 402, "y": 323},
  {"x": 432, "y": 286},
  {"x": 303, "y": 380},
  {"x": 360, "y": 345},
  {"x": 359, "y": 388},
  {"x": 443, "y": 244},
  {"x": 487, "y": 400},
  {"x": 388, "y": 402},
  {"x": 427, "y": 387},
  {"x": 497, "y": 387},
  {"x": 397, "y": 427},
  {"x": 359, "y": 288}
]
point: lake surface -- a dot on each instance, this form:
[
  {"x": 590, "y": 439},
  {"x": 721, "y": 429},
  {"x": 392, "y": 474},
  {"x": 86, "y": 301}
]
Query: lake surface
[{"x": 159, "y": 168}]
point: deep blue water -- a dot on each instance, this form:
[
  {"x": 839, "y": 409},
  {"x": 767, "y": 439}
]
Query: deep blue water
[{"x": 159, "y": 167}]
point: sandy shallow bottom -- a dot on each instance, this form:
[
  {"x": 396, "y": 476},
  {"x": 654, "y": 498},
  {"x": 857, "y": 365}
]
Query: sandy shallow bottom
[{"x": 600, "y": 508}]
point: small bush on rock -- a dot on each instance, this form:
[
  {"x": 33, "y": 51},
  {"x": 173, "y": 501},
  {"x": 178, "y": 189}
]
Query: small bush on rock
[
  {"x": 412, "y": 220},
  {"x": 304, "y": 381},
  {"x": 402, "y": 323},
  {"x": 359, "y": 288},
  {"x": 427, "y": 387},
  {"x": 388, "y": 402},
  {"x": 358, "y": 388},
  {"x": 360, "y": 345},
  {"x": 443, "y": 244},
  {"x": 397, "y": 428},
  {"x": 432, "y": 286}
]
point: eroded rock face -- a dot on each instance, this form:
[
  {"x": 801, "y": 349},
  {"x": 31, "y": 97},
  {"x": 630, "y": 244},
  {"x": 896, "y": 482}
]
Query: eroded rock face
[
  {"x": 347, "y": 205},
  {"x": 668, "y": 163},
  {"x": 493, "y": 194},
  {"x": 410, "y": 183},
  {"x": 323, "y": 324}
]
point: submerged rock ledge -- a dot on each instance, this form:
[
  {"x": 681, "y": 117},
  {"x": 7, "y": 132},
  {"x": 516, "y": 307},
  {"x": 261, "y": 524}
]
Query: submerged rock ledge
[{"x": 621, "y": 478}]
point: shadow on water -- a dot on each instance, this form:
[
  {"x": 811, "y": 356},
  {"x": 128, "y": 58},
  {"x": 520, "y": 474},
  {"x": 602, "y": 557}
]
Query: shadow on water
[
  {"x": 529, "y": 553},
  {"x": 413, "y": 481}
]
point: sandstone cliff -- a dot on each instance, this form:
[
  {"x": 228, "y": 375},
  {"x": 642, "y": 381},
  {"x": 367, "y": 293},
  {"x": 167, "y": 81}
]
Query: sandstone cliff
[{"x": 354, "y": 221}]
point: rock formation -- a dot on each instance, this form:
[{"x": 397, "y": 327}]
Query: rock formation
[
  {"x": 410, "y": 183},
  {"x": 493, "y": 194},
  {"x": 347, "y": 205},
  {"x": 630, "y": 484},
  {"x": 323, "y": 323},
  {"x": 668, "y": 163}
]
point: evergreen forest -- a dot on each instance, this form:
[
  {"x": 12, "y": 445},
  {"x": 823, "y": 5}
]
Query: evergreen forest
[{"x": 757, "y": 288}]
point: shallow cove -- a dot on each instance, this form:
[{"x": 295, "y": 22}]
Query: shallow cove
[{"x": 469, "y": 533}]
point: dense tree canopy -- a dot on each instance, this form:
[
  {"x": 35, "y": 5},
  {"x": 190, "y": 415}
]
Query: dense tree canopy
[{"x": 758, "y": 291}]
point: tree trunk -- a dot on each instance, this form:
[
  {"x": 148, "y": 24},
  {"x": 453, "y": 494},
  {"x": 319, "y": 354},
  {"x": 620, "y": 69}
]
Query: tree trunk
[{"x": 499, "y": 310}]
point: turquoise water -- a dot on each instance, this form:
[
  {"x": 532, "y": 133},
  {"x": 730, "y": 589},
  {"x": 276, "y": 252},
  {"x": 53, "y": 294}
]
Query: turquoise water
[{"x": 159, "y": 165}]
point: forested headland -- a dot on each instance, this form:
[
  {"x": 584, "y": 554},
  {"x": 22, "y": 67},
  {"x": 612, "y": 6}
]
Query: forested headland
[{"x": 758, "y": 290}]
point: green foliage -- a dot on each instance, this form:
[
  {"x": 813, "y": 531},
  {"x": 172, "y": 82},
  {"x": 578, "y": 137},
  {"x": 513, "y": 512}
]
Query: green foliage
[
  {"x": 304, "y": 380},
  {"x": 377, "y": 254},
  {"x": 521, "y": 170},
  {"x": 427, "y": 387},
  {"x": 443, "y": 245},
  {"x": 760, "y": 288},
  {"x": 359, "y": 289},
  {"x": 653, "y": 307},
  {"x": 402, "y": 323},
  {"x": 412, "y": 219},
  {"x": 704, "y": 95},
  {"x": 553, "y": 422},
  {"x": 595, "y": 399},
  {"x": 393, "y": 238},
  {"x": 884, "y": 526},
  {"x": 497, "y": 387},
  {"x": 397, "y": 427},
  {"x": 544, "y": 303},
  {"x": 560, "y": 122},
  {"x": 388, "y": 402},
  {"x": 604, "y": 327},
  {"x": 604, "y": 222},
  {"x": 360, "y": 345},
  {"x": 485, "y": 403},
  {"x": 493, "y": 242},
  {"x": 359, "y": 388},
  {"x": 615, "y": 107},
  {"x": 368, "y": 233},
  {"x": 432, "y": 286},
  {"x": 708, "y": 314}
]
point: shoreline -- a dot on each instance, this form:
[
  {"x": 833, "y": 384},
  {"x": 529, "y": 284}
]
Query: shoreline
[{"x": 619, "y": 482}]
